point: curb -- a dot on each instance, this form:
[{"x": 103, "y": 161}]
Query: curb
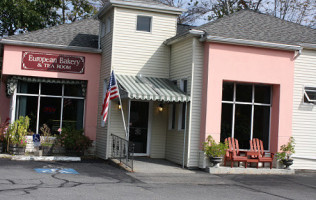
[{"x": 41, "y": 158}]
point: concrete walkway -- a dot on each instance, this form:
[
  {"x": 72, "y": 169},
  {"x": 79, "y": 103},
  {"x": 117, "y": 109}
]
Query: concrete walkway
[{"x": 153, "y": 165}]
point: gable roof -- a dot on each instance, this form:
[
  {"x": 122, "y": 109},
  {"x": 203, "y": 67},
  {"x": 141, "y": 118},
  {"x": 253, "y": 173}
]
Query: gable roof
[
  {"x": 250, "y": 25},
  {"x": 83, "y": 33}
]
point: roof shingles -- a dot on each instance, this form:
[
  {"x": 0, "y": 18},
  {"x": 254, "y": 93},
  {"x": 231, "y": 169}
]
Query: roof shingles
[{"x": 83, "y": 33}]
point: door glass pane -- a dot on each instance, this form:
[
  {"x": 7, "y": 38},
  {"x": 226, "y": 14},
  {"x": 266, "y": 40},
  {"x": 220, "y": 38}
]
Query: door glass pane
[
  {"x": 228, "y": 91},
  {"x": 261, "y": 124},
  {"x": 242, "y": 125},
  {"x": 50, "y": 113},
  {"x": 243, "y": 92},
  {"x": 27, "y": 88},
  {"x": 27, "y": 106},
  {"x": 73, "y": 114},
  {"x": 73, "y": 90},
  {"x": 51, "y": 89},
  {"x": 226, "y": 122},
  {"x": 262, "y": 94},
  {"x": 139, "y": 125}
]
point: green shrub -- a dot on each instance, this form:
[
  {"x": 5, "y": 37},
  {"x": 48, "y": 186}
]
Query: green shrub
[
  {"x": 286, "y": 150},
  {"x": 73, "y": 140},
  {"x": 213, "y": 149},
  {"x": 18, "y": 130}
]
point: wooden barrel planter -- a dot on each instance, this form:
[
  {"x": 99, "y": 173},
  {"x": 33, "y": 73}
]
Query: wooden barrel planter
[
  {"x": 16, "y": 149},
  {"x": 47, "y": 150},
  {"x": 1, "y": 147}
]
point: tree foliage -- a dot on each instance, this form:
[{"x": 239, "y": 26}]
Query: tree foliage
[
  {"x": 29, "y": 15},
  {"x": 26, "y": 15},
  {"x": 298, "y": 11}
]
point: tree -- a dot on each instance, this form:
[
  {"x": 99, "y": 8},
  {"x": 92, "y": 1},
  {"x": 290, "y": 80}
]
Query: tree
[
  {"x": 73, "y": 10},
  {"x": 297, "y": 11},
  {"x": 22, "y": 15}
]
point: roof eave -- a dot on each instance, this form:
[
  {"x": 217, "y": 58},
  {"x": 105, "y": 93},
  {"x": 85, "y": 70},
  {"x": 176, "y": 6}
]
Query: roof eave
[
  {"x": 253, "y": 43},
  {"x": 102, "y": 11},
  {"x": 308, "y": 46},
  {"x": 191, "y": 33},
  {"x": 50, "y": 46}
]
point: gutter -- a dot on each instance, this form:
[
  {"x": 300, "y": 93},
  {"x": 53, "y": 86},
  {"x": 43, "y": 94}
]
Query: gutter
[
  {"x": 189, "y": 34},
  {"x": 308, "y": 46},
  {"x": 50, "y": 46},
  {"x": 253, "y": 43}
]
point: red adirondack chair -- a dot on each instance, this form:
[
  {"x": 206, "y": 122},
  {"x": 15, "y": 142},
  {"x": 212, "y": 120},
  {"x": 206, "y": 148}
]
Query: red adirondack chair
[
  {"x": 233, "y": 154},
  {"x": 257, "y": 146}
]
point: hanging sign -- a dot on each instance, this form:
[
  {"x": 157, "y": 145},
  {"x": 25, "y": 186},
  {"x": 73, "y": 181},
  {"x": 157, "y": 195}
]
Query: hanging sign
[{"x": 52, "y": 62}]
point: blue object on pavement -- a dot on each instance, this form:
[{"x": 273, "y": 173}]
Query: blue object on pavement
[{"x": 55, "y": 171}]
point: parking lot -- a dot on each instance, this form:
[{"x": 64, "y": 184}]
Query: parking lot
[{"x": 97, "y": 179}]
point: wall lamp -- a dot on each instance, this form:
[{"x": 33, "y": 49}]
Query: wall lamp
[
  {"x": 119, "y": 105},
  {"x": 160, "y": 107}
]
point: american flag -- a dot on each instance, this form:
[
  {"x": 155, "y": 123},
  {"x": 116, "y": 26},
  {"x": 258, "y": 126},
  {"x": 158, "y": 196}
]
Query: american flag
[{"x": 111, "y": 93}]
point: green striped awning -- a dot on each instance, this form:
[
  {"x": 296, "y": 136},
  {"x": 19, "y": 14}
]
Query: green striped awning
[{"x": 149, "y": 88}]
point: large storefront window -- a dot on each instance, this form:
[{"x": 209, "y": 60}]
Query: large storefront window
[
  {"x": 246, "y": 113},
  {"x": 57, "y": 105}
]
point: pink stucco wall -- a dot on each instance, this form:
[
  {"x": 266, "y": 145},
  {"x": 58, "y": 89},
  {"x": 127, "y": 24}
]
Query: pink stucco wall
[
  {"x": 12, "y": 66},
  {"x": 224, "y": 62},
  {"x": 4, "y": 103}
]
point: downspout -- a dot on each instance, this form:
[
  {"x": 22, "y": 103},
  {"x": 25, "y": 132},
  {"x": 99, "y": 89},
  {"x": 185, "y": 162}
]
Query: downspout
[
  {"x": 185, "y": 133},
  {"x": 298, "y": 53}
]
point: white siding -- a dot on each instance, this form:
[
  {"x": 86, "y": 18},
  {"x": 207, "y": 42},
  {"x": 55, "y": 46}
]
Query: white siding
[
  {"x": 137, "y": 52},
  {"x": 196, "y": 101},
  {"x": 304, "y": 115},
  {"x": 181, "y": 68},
  {"x": 158, "y": 131},
  {"x": 102, "y": 132}
]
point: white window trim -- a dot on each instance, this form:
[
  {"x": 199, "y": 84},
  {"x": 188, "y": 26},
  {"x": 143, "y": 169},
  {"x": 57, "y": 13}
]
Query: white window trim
[
  {"x": 309, "y": 89},
  {"x": 151, "y": 24},
  {"x": 103, "y": 27},
  {"x": 253, "y": 104},
  {"x": 181, "y": 105},
  {"x": 39, "y": 95},
  {"x": 108, "y": 25}
]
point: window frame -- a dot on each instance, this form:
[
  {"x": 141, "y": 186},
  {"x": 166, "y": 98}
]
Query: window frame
[
  {"x": 306, "y": 96},
  {"x": 252, "y": 104},
  {"x": 183, "y": 106},
  {"x": 62, "y": 97},
  {"x": 150, "y": 24},
  {"x": 172, "y": 116},
  {"x": 108, "y": 25}
]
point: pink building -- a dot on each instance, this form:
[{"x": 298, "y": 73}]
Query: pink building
[
  {"x": 53, "y": 81},
  {"x": 234, "y": 78}
]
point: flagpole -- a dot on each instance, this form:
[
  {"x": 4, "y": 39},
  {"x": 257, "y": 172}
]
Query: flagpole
[
  {"x": 126, "y": 135},
  {"x": 123, "y": 118}
]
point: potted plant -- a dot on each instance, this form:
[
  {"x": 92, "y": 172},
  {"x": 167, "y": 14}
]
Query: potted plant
[
  {"x": 3, "y": 131},
  {"x": 74, "y": 142},
  {"x": 284, "y": 156},
  {"x": 17, "y": 132},
  {"x": 46, "y": 140},
  {"x": 215, "y": 151}
]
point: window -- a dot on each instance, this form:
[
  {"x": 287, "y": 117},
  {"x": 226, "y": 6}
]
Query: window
[
  {"x": 143, "y": 23},
  {"x": 182, "y": 111},
  {"x": 310, "y": 95},
  {"x": 102, "y": 29},
  {"x": 172, "y": 116},
  {"x": 108, "y": 25},
  {"x": 184, "y": 85},
  {"x": 246, "y": 113},
  {"x": 56, "y": 105}
]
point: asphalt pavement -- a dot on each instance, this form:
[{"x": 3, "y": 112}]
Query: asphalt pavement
[{"x": 97, "y": 179}]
